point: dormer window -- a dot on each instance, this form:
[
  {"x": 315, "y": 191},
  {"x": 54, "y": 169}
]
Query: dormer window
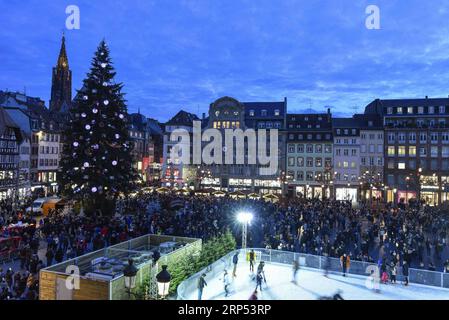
[
  {"x": 251, "y": 113},
  {"x": 277, "y": 112},
  {"x": 264, "y": 113}
]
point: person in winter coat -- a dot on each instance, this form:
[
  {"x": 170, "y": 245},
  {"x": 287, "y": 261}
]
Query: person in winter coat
[
  {"x": 295, "y": 270},
  {"x": 259, "y": 279},
  {"x": 235, "y": 261},
  {"x": 226, "y": 282},
  {"x": 252, "y": 258},
  {"x": 405, "y": 272},
  {"x": 49, "y": 255},
  {"x": 345, "y": 263},
  {"x": 201, "y": 284},
  {"x": 393, "y": 273},
  {"x": 59, "y": 255},
  {"x": 253, "y": 296}
]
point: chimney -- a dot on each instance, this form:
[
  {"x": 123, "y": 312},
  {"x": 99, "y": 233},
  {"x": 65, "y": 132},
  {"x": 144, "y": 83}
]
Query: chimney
[
  {"x": 204, "y": 115},
  {"x": 427, "y": 97}
]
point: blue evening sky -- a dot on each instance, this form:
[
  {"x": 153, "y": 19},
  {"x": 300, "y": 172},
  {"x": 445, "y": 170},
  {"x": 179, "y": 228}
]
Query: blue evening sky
[{"x": 174, "y": 54}]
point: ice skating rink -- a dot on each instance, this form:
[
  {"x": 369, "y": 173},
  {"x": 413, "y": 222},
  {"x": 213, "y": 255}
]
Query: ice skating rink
[{"x": 311, "y": 284}]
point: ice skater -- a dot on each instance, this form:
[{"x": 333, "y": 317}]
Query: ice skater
[
  {"x": 201, "y": 284},
  {"x": 295, "y": 270},
  {"x": 393, "y": 271},
  {"x": 259, "y": 279},
  {"x": 254, "y": 295},
  {"x": 405, "y": 272},
  {"x": 336, "y": 296},
  {"x": 261, "y": 271},
  {"x": 235, "y": 261},
  {"x": 252, "y": 258},
  {"x": 226, "y": 283},
  {"x": 345, "y": 263}
]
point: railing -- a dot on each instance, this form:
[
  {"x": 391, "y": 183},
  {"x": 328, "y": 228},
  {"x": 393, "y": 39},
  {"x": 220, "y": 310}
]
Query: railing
[{"x": 425, "y": 277}]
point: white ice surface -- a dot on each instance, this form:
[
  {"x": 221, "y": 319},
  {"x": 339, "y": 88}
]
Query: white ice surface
[{"x": 311, "y": 284}]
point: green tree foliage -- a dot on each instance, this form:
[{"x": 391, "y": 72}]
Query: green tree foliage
[
  {"x": 97, "y": 160},
  {"x": 189, "y": 264}
]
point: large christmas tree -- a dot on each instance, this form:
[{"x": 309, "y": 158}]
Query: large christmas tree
[{"x": 97, "y": 161}]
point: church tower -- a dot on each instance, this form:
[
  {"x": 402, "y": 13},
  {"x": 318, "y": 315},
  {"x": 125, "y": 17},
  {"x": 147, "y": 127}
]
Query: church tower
[{"x": 61, "y": 84}]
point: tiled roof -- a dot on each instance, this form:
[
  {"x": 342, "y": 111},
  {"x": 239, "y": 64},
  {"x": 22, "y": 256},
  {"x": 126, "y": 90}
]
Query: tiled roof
[{"x": 182, "y": 118}]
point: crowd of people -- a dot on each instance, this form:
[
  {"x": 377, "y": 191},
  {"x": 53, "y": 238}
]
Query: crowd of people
[{"x": 389, "y": 236}]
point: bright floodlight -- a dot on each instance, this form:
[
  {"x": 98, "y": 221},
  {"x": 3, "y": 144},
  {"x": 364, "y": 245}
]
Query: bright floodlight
[{"x": 244, "y": 217}]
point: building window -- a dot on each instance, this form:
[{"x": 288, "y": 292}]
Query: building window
[
  {"x": 445, "y": 152},
  {"x": 391, "y": 137},
  {"x": 300, "y": 162},
  {"x": 442, "y": 109},
  {"x": 291, "y": 148},
  {"x": 251, "y": 113},
  {"x": 445, "y": 137},
  {"x": 421, "y": 110},
  {"x": 431, "y": 110},
  {"x": 291, "y": 161},
  {"x": 318, "y": 148},
  {"x": 423, "y": 137},
  {"x": 309, "y": 176},
  {"x": 410, "y": 110},
  {"x": 309, "y": 162},
  {"x": 391, "y": 151},
  {"x": 310, "y": 148},
  {"x": 412, "y": 151},
  {"x": 399, "y": 110},
  {"x": 401, "y": 151},
  {"x": 434, "y": 152},
  {"x": 434, "y": 137},
  {"x": 300, "y": 148},
  {"x": 318, "y": 162},
  {"x": 389, "y": 110},
  {"x": 401, "y": 165},
  {"x": 422, "y": 151},
  {"x": 277, "y": 112},
  {"x": 264, "y": 113}
]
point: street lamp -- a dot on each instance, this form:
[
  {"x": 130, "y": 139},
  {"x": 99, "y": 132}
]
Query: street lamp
[
  {"x": 130, "y": 273},
  {"x": 163, "y": 279},
  {"x": 244, "y": 218}
]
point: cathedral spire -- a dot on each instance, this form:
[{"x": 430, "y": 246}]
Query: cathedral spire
[
  {"x": 61, "y": 86},
  {"x": 63, "y": 62}
]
